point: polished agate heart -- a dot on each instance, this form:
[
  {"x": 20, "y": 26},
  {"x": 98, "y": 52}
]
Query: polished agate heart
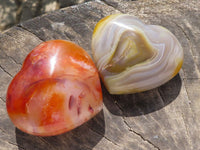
[
  {"x": 133, "y": 57},
  {"x": 57, "y": 89}
]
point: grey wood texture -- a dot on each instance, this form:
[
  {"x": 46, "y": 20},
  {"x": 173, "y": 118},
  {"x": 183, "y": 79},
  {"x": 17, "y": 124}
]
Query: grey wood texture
[{"x": 165, "y": 118}]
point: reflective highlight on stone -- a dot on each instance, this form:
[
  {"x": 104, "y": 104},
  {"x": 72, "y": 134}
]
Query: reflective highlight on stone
[{"x": 56, "y": 90}]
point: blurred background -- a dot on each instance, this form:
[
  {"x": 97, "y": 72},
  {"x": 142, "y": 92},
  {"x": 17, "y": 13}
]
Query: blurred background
[{"x": 15, "y": 11}]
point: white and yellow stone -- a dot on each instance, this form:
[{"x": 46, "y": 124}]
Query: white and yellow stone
[{"x": 133, "y": 57}]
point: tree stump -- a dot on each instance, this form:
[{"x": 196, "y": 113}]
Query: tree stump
[{"x": 165, "y": 118}]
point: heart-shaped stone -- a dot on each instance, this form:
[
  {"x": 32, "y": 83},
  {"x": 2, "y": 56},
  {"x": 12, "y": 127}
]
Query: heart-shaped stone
[
  {"x": 57, "y": 89},
  {"x": 133, "y": 57}
]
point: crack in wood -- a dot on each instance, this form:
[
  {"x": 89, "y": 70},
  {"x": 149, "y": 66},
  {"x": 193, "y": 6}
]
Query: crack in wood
[
  {"x": 103, "y": 136},
  {"x": 187, "y": 37},
  {"x": 14, "y": 60},
  {"x": 6, "y": 71},
  {"x": 144, "y": 139},
  {"x": 17, "y": 145},
  {"x": 190, "y": 45},
  {"x": 24, "y": 28},
  {"x": 2, "y": 99},
  {"x": 3, "y": 130},
  {"x": 161, "y": 97},
  {"x": 10, "y": 57},
  {"x": 191, "y": 48},
  {"x": 131, "y": 130}
]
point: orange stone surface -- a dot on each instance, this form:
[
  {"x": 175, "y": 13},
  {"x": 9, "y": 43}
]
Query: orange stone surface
[{"x": 56, "y": 90}]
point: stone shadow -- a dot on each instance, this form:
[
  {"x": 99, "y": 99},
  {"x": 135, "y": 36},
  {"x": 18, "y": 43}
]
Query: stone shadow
[
  {"x": 82, "y": 138},
  {"x": 145, "y": 102}
]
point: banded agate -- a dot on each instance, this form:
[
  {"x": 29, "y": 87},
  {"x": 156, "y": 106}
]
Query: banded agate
[
  {"x": 132, "y": 56},
  {"x": 56, "y": 90}
]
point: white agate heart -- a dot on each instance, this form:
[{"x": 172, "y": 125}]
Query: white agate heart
[{"x": 133, "y": 57}]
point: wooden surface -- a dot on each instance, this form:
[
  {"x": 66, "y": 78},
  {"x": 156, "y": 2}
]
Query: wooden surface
[{"x": 165, "y": 118}]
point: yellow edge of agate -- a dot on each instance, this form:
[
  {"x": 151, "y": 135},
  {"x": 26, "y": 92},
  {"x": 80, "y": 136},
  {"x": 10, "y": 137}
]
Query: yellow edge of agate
[
  {"x": 180, "y": 62},
  {"x": 104, "y": 21}
]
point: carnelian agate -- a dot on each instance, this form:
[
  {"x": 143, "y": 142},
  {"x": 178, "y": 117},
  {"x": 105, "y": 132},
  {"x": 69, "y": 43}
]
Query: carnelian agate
[{"x": 57, "y": 89}]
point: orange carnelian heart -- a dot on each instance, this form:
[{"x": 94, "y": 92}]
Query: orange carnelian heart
[{"x": 57, "y": 89}]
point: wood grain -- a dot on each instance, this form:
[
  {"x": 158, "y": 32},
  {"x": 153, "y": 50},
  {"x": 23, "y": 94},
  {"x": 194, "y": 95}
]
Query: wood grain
[{"x": 165, "y": 118}]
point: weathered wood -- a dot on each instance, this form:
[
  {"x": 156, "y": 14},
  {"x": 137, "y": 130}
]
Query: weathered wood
[{"x": 163, "y": 118}]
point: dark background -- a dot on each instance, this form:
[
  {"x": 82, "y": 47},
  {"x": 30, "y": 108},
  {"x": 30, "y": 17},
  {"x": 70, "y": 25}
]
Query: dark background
[{"x": 15, "y": 11}]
